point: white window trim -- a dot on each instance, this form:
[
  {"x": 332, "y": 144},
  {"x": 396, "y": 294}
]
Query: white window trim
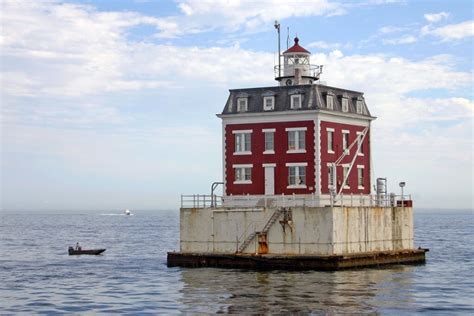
[
  {"x": 346, "y": 108},
  {"x": 360, "y": 187},
  {"x": 269, "y": 130},
  {"x": 359, "y": 134},
  {"x": 269, "y": 152},
  {"x": 269, "y": 165},
  {"x": 265, "y": 108},
  {"x": 330, "y": 130},
  {"x": 246, "y": 104},
  {"x": 330, "y": 186},
  {"x": 361, "y": 108},
  {"x": 346, "y": 185},
  {"x": 238, "y": 166},
  {"x": 293, "y": 97},
  {"x": 242, "y": 153},
  {"x": 295, "y": 129},
  {"x": 345, "y": 131},
  {"x": 330, "y": 96},
  {"x": 296, "y": 164},
  {"x": 243, "y": 131}
]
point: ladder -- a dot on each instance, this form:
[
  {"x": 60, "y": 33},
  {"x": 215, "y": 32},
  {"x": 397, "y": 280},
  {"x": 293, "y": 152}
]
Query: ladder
[{"x": 265, "y": 229}]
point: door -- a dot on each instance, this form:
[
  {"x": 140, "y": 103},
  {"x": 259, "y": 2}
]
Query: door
[{"x": 269, "y": 180}]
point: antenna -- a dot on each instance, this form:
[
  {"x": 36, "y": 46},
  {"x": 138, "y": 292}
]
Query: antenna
[
  {"x": 277, "y": 27},
  {"x": 287, "y": 37}
]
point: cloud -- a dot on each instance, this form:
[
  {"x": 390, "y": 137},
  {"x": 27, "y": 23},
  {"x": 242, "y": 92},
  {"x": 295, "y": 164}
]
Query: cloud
[
  {"x": 451, "y": 32},
  {"x": 326, "y": 45},
  {"x": 407, "y": 39},
  {"x": 436, "y": 17}
]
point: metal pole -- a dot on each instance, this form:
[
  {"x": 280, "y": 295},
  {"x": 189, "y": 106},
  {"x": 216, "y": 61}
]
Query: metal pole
[{"x": 277, "y": 26}]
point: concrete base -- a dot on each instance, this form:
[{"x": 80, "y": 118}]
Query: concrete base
[{"x": 296, "y": 262}]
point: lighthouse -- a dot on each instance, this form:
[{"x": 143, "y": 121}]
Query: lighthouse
[{"x": 297, "y": 187}]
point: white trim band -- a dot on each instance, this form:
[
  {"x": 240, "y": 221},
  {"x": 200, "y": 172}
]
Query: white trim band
[
  {"x": 243, "y": 166},
  {"x": 296, "y": 164},
  {"x": 269, "y": 165},
  {"x": 269, "y": 130},
  {"x": 291, "y": 129},
  {"x": 242, "y": 131}
]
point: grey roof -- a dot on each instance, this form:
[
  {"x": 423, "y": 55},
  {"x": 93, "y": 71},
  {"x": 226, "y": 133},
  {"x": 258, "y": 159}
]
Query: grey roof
[{"x": 314, "y": 98}]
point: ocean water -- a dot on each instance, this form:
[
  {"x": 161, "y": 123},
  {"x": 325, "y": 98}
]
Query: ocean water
[{"x": 38, "y": 276}]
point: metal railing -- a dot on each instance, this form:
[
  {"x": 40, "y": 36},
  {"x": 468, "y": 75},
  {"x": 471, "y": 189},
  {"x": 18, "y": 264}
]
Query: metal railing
[
  {"x": 306, "y": 70},
  {"x": 200, "y": 201},
  {"x": 293, "y": 200}
]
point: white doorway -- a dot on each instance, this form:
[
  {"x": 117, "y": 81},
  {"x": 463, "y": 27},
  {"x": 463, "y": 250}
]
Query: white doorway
[{"x": 269, "y": 180}]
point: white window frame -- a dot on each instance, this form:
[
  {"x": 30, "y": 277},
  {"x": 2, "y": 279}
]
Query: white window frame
[
  {"x": 245, "y": 104},
  {"x": 243, "y": 168},
  {"x": 297, "y": 131},
  {"x": 345, "y": 104},
  {"x": 344, "y": 168},
  {"x": 330, "y": 101},
  {"x": 360, "y": 187},
  {"x": 331, "y": 176},
  {"x": 272, "y": 106},
  {"x": 359, "y": 141},
  {"x": 241, "y": 134},
  {"x": 297, "y": 165},
  {"x": 296, "y": 97},
  {"x": 265, "y": 132},
  {"x": 345, "y": 142},
  {"x": 359, "y": 106},
  {"x": 330, "y": 130}
]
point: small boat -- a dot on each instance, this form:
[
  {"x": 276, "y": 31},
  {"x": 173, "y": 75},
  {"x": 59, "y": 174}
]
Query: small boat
[
  {"x": 127, "y": 212},
  {"x": 75, "y": 252}
]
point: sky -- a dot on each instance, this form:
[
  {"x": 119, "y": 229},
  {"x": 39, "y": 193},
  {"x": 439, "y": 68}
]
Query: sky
[{"x": 108, "y": 105}]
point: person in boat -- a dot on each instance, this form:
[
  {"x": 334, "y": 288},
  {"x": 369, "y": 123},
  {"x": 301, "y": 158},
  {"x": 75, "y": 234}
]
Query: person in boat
[{"x": 78, "y": 247}]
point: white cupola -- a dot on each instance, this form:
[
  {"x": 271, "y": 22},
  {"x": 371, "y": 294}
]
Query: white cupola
[{"x": 296, "y": 68}]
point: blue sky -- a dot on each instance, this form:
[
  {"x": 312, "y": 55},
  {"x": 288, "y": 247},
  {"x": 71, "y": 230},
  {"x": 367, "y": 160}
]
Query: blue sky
[{"x": 108, "y": 105}]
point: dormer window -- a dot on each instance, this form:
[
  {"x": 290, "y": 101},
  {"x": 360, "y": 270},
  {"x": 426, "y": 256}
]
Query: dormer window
[
  {"x": 345, "y": 104},
  {"x": 296, "y": 101},
  {"x": 268, "y": 103},
  {"x": 242, "y": 105},
  {"x": 330, "y": 101},
  {"x": 359, "y": 106}
]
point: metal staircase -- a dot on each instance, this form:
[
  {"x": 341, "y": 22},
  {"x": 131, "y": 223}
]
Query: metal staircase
[{"x": 265, "y": 229}]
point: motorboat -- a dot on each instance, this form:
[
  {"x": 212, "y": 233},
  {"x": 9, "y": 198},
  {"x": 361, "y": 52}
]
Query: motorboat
[
  {"x": 127, "y": 212},
  {"x": 80, "y": 251}
]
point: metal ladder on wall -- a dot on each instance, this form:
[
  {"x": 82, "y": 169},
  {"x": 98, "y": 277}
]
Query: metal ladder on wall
[{"x": 265, "y": 229}]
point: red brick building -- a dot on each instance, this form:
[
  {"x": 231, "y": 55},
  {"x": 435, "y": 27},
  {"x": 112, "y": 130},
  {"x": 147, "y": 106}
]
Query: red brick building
[{"x": 301, "y": 137}]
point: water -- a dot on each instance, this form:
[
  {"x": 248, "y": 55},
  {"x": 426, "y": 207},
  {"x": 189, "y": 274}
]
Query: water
[{"x": 37, "y": 275}]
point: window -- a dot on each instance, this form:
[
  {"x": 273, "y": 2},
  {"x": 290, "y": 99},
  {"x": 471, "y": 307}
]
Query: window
[
  {"x": 295, "y": 101},
  {"x": 243, "y": 174},
  {"x": 331, "y": 176},
  {"x": 242, "y": 105},
  {"x": 345, "y": 105},
  {"x": 296, "y": 140},
  {"x": 268, "y": 103},
  {"x": 330, "y": 133},
  {"x": 360, "y": 177},
  {"x": 360, "y": 143},
  {"x": 297, "y": 175},
  {"x": 242, "y": 142},
  {"x": 269, "y": 141},
  {"x": 345, "y": 171},
  {"x": 330, "y": 102},
  {"x": 359, "y": 106},
  {"x": 345, "y": 139}
]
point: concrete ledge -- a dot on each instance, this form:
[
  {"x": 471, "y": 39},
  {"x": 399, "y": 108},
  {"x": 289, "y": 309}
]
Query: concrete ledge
[{"x": 296, "y": 262}]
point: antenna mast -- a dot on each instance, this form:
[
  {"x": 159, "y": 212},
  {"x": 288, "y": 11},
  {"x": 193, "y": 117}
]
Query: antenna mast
[{"x": 277, "y": 27}]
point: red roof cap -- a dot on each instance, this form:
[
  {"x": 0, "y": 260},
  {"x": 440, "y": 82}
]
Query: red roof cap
[{"x": 296, "y": 48}]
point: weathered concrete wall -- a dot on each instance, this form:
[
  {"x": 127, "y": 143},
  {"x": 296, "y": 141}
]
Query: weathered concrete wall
[{"x": 313, "y": 230}]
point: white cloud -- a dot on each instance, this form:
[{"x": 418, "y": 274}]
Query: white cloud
[
  {"x": 436, "y": 17},
  {"x": 407, "y": 39},
  {"x": 391, "y": 29},
  {"x": 451, "y": 31},
  {"x": 326, "y": 45}
]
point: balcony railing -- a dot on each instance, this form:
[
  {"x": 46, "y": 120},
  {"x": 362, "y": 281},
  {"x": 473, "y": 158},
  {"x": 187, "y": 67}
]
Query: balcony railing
[
  {"x": 313, "y": 71},
  {"x": 293, "y": 200}
]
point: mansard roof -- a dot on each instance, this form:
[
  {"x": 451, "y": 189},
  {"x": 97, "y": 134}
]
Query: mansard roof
[{"x": 314, "y": 98}]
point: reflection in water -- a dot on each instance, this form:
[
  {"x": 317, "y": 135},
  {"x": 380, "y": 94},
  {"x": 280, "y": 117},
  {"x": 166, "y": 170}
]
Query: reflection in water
[{"x": 219, "y": 290}]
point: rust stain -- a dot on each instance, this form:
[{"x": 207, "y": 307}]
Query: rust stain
[{"x": 262, "y": 243}]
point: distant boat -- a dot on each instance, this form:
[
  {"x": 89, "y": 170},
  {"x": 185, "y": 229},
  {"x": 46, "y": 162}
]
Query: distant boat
[
  {"x": 127, "y": 212},
  {"x": 75, "y": 252}
]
